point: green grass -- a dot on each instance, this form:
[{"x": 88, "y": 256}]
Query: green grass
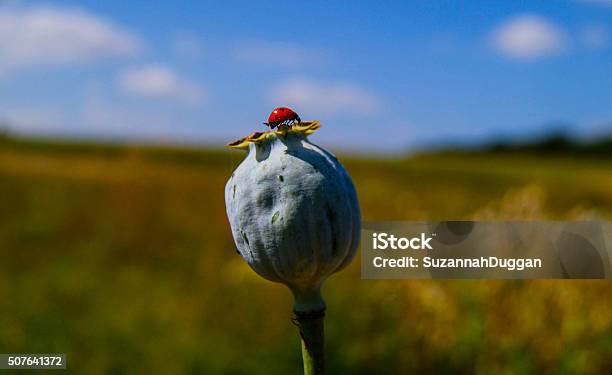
[{"x": 121, "y": 257}]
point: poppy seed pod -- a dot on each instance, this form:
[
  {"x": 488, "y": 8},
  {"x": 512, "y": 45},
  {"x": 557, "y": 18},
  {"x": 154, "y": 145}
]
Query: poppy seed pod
[{"x": 293, "y": 211}]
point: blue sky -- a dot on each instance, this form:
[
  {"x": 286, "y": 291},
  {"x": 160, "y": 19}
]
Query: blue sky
[{"x": 379, "y": 76}]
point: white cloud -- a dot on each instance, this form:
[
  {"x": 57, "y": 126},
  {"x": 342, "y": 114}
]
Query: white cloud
[
  {"x": 595, "y": 37},
  {"x": 279, "y": 54},
  {"x": 528, "y": 37},
  {"x": 159, "y": 81},
  {"x": 324, "y": 97},
  {"x": 38, "y": 35}
]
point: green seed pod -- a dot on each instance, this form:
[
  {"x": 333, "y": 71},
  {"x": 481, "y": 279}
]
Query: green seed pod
[{"x": 293, "y": 212}]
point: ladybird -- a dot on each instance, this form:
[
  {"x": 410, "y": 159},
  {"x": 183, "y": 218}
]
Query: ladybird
[{"x": 282, "y": 116}]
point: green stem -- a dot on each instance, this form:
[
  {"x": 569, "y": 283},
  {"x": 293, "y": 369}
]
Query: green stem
[{"x": 313, "y": 345}]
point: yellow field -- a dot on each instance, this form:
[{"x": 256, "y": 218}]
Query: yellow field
[{"x": 122, "y": 258}]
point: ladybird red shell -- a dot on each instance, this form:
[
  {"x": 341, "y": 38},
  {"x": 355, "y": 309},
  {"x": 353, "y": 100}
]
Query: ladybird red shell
[{"x": 281, "y": 114}]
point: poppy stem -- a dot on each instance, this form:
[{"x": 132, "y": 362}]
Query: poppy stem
[{"x": 313, "y": 343}]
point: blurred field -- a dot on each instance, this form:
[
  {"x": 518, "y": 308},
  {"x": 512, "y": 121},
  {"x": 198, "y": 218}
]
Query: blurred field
[{"x": 122, "y": 258}]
